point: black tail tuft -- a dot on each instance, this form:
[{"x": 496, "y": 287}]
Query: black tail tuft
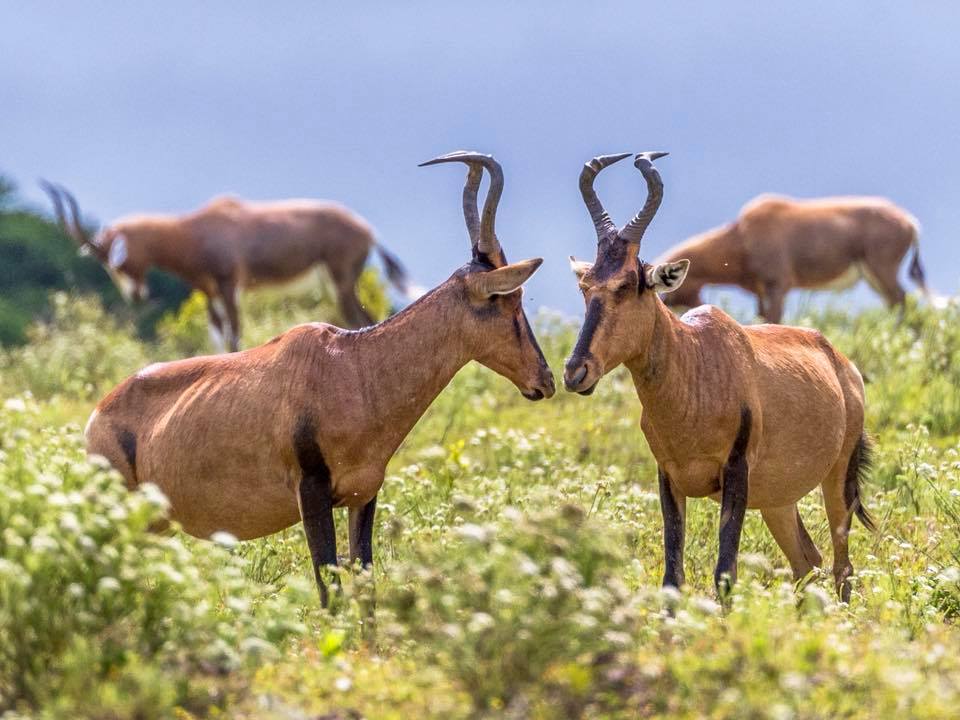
[
  {"x": 915, "y": 271},
  {"x": 396, "y": 273},
  {"x": 859, "y": 467}
]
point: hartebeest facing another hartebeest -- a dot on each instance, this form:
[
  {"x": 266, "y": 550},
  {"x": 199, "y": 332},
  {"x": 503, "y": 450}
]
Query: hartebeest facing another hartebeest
[
  {"x": 754, "y": 416},
  {"x": 252, "y": 442},
  {"x": 229, "y": 245},
  {"x": 778, "y": 244}
]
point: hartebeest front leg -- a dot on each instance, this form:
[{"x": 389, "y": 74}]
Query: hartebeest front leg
[
  {"x": 316, "y": 510},
  {"x": 733, "y": 507},
  {"x": 361, "y": 533},
  {"x": 673, "y": 506}
]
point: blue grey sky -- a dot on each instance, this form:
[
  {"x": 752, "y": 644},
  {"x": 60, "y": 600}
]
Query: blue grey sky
[{"x": 159, "y": 106}]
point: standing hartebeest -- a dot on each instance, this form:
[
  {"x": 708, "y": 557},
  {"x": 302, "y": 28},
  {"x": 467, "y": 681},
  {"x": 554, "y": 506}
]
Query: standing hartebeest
[
  {"x": 228, "y": 245},
  {"x": 254, "y": 441},
  {"x": 778, "y": 243},
  {"x": 754, "y": 416}
]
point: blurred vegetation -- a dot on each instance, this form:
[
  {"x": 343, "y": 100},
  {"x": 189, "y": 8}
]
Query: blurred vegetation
[{"x": 517, "y": 556}]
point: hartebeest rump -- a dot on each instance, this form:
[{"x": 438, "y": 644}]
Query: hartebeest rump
[
  {"x": 252, "y": 442},
  {"x": 755, "y": 417},
  {"x": 777, "y": 244},
  {"x": 228, "y": 245}
]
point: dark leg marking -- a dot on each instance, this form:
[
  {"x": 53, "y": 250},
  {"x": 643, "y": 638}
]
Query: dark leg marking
[
  {"x": 673, "y": 532},
  {"x": 733, "y": 506},
  {"x": 316, "y": 502},
  {"x": 365, "y": 532}
]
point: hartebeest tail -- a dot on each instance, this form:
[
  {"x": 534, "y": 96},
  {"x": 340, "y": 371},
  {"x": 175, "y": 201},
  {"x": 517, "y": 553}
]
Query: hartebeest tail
[
  {"x": 777, "y": 244},
  {"x": 252, "y": 442},
  {"x": 755, "y": 417},
  {"x": 229, "y": 245}
]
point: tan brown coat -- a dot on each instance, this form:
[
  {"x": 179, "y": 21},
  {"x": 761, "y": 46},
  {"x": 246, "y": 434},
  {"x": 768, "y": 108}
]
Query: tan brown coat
[
  {"x": 251, "y": 442},
  {"x": 778, "y": 244},
  {"x": 229, "y": 245},
  {"x": 755, "y": 417}
]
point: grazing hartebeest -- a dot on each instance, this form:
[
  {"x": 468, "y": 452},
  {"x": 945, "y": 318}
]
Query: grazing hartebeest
[
  {"x": 254, "y": 441},
  {"x": 777, "y": 244},
  {"x": 228, "y": 245},
  {"x": 754, "y": 416}
]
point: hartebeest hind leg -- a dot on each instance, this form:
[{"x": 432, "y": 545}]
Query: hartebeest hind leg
[
  {"x": 673, "y": 506},
  {"x": 361, "y": 533},
  {"x": 792, "y": 537},
  {"x": 345, "y": 283},
  {"x": 215, "y": 326},
  {"x": 770, "y": 299},
  {"x": 840, "y": 518},
  {"x": 733, "y": 506}
]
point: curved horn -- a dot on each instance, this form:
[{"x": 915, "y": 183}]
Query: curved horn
[
  {"x": 601, "y": 221},
  {"x": 486, "y": 242},
  {"x": 633, "y": 231},
  {"x": 474, "y": 174},
  {"x": 72, "y": 227}
]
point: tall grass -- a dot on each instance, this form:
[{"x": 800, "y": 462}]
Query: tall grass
[{"x": 517, "y": 566}]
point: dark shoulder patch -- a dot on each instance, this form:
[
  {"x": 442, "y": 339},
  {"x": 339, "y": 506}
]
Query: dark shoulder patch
[
  {"x": 309, "y": 455},
  {"x": 128, "y": 443},
  {"x": 743, "y": 434}
]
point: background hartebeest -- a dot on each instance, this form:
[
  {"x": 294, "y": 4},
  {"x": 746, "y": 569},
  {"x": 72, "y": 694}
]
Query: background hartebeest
[
  {"x": 754, "y": 416},
  {"x": 228, "y": 245},
  {"x": 778, "y": 243},
  {"x": 254, "y": 441}
]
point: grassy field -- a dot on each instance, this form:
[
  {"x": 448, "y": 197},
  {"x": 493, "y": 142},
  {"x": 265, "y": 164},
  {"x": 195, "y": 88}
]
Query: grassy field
[{"x": 517, "y": 559}]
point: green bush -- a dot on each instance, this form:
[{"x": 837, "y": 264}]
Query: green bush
[
  {"x": 80, "y": 353},
  {"x": 92, "y": 604}
]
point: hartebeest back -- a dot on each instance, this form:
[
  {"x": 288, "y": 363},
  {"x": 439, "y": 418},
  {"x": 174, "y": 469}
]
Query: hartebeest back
[
  {"x": 254, "y": 441},
  {"x": 778, "y": 244},
  {"x": 755, "y": 417},
  {"x": 229, "y": 245}
]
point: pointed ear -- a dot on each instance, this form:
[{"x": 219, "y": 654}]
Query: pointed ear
[
  {"x": 579, "y": 267},
  {"x": 503, "y": 280},
  {"x": 118, "y": 251},
  {"x": 667, "y": 277}
]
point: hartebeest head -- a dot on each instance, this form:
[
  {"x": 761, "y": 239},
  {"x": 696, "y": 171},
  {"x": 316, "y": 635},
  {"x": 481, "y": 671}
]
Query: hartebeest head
[
  {"x": 109, "y": 246},
  {"x": 619, "y": 289},
  {"x": 494, "y": 325}
]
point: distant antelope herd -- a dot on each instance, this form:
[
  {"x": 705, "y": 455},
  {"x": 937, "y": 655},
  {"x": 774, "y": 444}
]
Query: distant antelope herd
[{"x": 752, "y": 416}]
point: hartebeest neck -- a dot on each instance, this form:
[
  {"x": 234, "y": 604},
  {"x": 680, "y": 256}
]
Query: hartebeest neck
[
  {"x": 665, "y": 371},
  {"x": 408, "y": 359}
]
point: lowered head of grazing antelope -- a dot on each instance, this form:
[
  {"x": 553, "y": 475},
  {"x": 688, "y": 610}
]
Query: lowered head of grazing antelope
[
  {"x": 109, "y": 246},
  {"x": 493, "y": 325},
  {"x": 619, "y": 289}
]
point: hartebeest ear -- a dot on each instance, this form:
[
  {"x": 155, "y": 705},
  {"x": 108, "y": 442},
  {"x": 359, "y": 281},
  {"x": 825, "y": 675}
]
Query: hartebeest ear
[
  {"x": 118, "y": 251},
  {"x": 579, "y": 267},
  {"x": 503, "y": 280},
  {"x": 667, "y": 277}
]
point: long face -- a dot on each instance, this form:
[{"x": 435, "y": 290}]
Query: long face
[
  {"x": 620, "y": 294},
  {"x": 110, "y": 246},
  {"x": 118, "y": 259},
  {"x": 493, "y": 325},
  {"x": 498, "y": 331},
  {"x": 620, "y": 291}
]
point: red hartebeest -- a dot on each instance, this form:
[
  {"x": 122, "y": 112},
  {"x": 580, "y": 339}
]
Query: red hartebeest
[
  {"x": 229, "y": 245},
  {"x": 755, "y": 416},
  {"x": 254, "y": 441},
  {"x": 778, "y": 243}
]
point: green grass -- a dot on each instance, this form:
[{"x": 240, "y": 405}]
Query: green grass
[{"x": 517, "y": 559}]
